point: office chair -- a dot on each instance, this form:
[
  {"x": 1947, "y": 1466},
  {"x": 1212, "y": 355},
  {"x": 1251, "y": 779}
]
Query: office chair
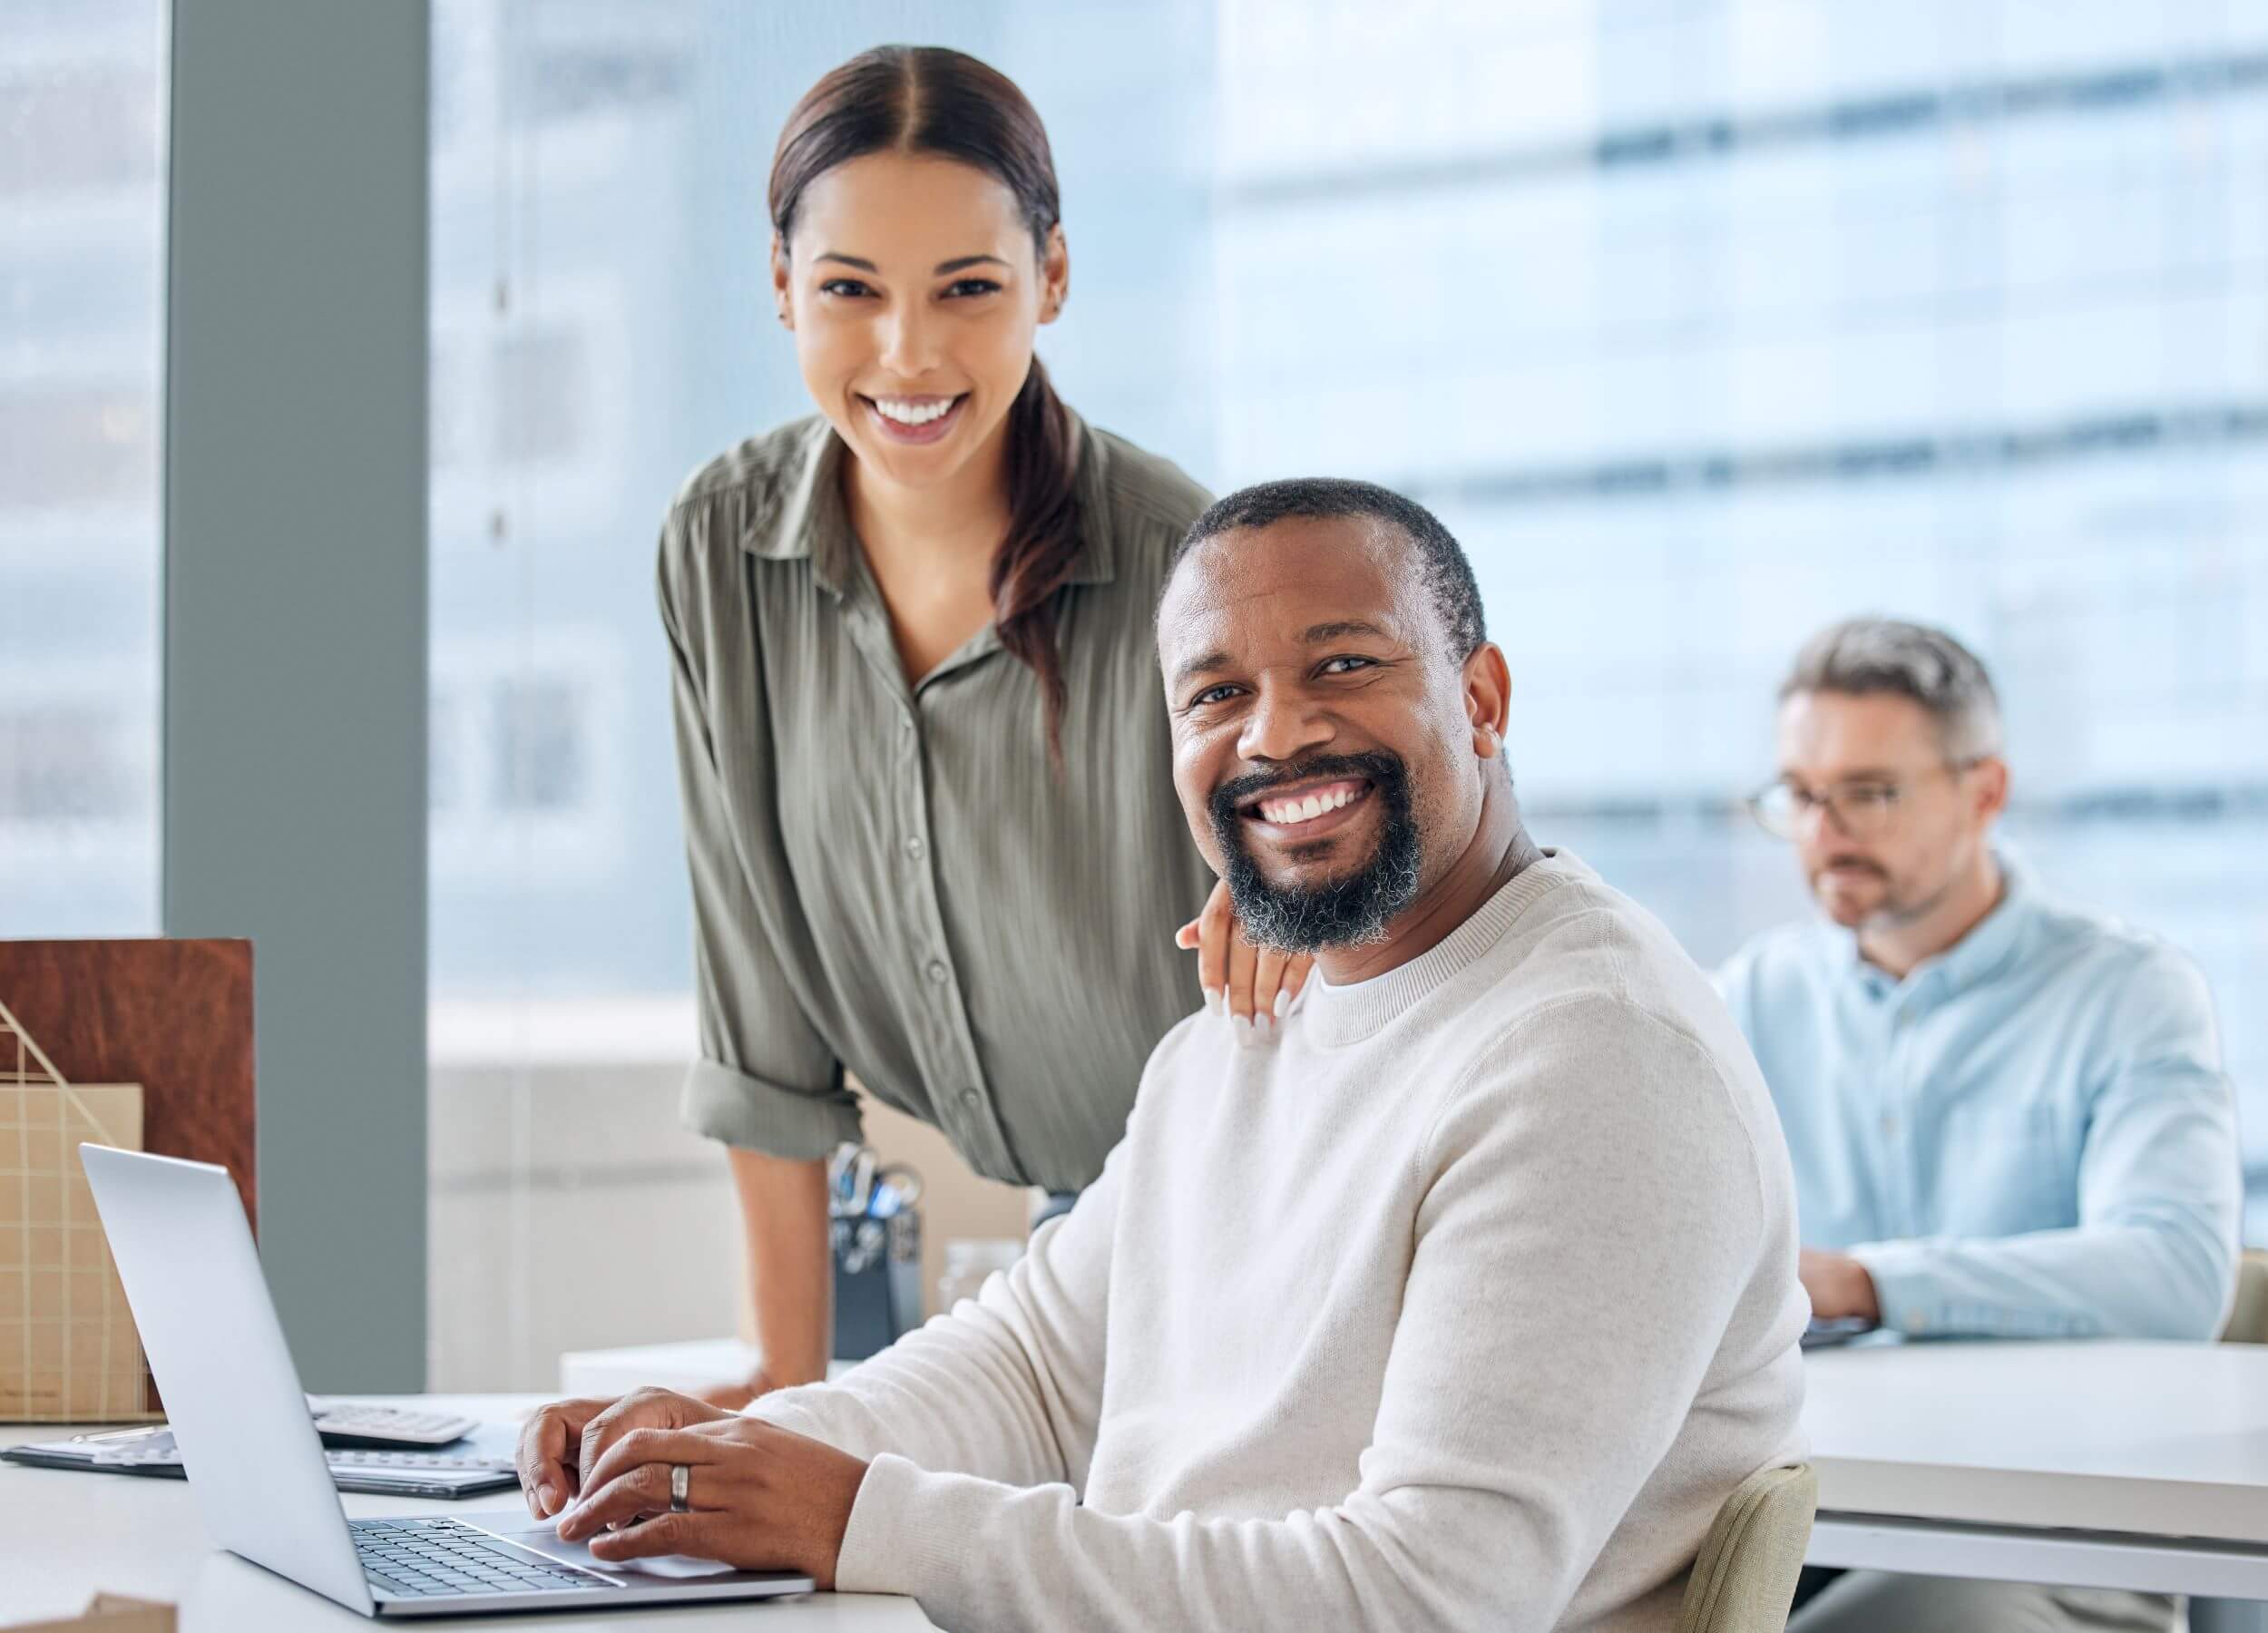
[
  {"x": 1744, "y": 1577},
  {"x": 2248, "y": 1317}
]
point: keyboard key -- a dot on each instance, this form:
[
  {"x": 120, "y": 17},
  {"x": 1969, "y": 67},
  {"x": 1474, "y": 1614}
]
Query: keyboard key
[{"x": 413, "y": 1559}]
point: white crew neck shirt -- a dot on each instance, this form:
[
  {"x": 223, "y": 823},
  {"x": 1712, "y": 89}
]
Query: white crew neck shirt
[{"x": 1464, "y": 1304}]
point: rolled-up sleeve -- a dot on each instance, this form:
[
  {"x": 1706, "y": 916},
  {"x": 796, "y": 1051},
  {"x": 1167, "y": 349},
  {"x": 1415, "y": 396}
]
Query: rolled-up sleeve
[
  {"x": 758, "y": 1115},
  {"x": 767, "y": 1080}
]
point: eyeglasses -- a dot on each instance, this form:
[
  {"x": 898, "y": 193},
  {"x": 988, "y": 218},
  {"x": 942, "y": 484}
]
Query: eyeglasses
[{"x": 1863, "y": 809}]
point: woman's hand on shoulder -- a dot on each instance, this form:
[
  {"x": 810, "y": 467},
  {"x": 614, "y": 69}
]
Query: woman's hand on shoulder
[{"x": 1254, "y": 986}]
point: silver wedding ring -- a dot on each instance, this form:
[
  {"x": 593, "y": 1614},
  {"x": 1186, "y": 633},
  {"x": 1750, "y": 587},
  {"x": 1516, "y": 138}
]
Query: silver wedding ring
[{"x": 680, "y": 1488}]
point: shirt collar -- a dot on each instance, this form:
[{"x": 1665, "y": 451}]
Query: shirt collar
[
  {"x": 807, "y": 518},
  {"x": 1974, "y": 958}
]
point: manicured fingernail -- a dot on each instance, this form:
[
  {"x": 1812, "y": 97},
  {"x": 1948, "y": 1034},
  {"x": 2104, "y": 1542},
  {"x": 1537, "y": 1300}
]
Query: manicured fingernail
[
  {"x": 1263, "y": 1029},
  {"x": 1241, "y": 1026},
  {"x": 1283, "y": 1003},
  {"x": 547, "y": 1496},
  {"x": 1215, "y": 1000}
]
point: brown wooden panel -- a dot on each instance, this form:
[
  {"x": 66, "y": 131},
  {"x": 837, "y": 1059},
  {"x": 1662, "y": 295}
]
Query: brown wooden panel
[{"x": 174, "y": 1016}]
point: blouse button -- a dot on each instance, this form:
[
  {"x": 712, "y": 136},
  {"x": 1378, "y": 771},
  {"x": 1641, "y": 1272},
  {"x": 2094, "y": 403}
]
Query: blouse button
[
  {"x": 915, "y": 848},
  {"x": 937, "y": 970}
]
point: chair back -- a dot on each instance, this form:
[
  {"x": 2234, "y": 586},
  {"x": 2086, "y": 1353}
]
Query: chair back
[
  {"x": 1743, "y": 1578},
  {"x": 2248, "y": 1317}
]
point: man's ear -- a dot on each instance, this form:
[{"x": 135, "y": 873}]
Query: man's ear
[
  {"x": 1055, "y": 275},
  {"x": 1487, "y": 681},
  {"x": 780, "y": 301},
  {"x": 1990, "y": 791}
]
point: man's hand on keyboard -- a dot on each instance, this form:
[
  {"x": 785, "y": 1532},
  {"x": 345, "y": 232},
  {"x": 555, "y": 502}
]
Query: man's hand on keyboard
[
  {"x": 559, "y": 1443},
  {"x": 757, "y": 1496}
]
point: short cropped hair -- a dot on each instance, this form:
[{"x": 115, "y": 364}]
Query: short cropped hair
[
  {"x": 1865, "y": 657},
  {"x": 1448, "y": 575}
]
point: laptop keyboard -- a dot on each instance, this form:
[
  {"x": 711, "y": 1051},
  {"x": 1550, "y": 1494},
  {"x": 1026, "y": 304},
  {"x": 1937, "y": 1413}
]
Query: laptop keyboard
[{"x": 424, "y": 1559}]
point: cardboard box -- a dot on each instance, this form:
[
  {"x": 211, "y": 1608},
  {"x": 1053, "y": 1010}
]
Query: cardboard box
[
  {"x": 111, "y": 1613},
  {"x": 68, "y": 1350}
]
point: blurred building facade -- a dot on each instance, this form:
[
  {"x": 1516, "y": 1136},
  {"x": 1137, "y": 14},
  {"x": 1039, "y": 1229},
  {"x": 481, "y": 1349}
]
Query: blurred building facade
[
  {"x": 1702, "y": 322},
  {"x": 82, "y": 278}
]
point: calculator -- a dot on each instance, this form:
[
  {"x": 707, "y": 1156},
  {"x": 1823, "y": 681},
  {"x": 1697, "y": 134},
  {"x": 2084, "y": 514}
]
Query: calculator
[{"x": 347, "y": 1423}]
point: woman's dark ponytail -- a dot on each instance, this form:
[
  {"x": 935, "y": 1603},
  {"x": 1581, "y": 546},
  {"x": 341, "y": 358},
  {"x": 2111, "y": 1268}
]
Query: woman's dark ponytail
[
  {"x": 925, "y": 99},
  {"x": 1035, "y": 559}
]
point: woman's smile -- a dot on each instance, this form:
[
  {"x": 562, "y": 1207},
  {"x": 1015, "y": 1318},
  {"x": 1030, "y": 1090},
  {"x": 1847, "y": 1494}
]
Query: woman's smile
[{"x": 913, "y": 419}]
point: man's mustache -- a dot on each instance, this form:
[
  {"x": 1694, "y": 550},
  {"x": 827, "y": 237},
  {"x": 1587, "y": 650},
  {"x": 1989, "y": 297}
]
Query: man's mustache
[
  {"x": 1240, "y": 791},
  {"x": 1861, "y": 863}
]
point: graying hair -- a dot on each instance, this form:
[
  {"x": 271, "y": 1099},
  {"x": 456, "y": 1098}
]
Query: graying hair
[{"x": 1863, "y": 656}]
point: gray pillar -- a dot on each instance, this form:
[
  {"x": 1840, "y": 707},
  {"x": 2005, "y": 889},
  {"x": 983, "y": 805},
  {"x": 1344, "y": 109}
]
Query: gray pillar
[
  {"x": 295, "y": 627},
  {"x": 2227, "y": 1615}
]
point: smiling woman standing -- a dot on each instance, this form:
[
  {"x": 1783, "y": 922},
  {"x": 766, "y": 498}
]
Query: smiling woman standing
[{"x": 926, "y": 774}]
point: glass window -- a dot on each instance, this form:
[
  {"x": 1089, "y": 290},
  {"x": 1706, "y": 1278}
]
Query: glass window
[
  {"x": 1702, "y": 325},
  {"x": 82, "y": 283},
  {"x": 601, "y": 326},
  {"x": 1761, "y": 315}
]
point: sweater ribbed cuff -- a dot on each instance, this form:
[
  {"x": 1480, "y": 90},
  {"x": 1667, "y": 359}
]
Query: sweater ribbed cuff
[{"x": 887, "y": 1546}]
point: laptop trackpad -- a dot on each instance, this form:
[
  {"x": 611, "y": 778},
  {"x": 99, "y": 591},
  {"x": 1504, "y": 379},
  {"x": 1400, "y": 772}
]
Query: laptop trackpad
[{"x": 538, "y": 1535}]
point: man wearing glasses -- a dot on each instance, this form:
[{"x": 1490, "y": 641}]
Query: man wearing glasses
[{"x": 2007, "y": 1117}]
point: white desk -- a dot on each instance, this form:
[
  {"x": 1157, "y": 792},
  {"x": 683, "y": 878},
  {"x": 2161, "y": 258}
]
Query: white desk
[
  {"x": 2099, "y": 1464},
  {"x": 64, "y": 1533},
  {"x": 2104, "y": 1465}
]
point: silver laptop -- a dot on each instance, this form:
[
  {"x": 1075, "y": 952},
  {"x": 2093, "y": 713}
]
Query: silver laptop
[{"x": 256, "y": 1464}]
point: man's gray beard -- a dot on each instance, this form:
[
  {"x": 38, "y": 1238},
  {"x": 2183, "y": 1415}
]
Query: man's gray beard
[{"x": 1353, "y": 912}]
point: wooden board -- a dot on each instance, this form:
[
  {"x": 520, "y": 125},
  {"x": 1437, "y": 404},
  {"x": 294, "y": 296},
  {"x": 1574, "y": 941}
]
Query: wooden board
[{"x": 173, "y": 1016}]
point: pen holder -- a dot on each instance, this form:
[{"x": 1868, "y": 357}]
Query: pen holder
[{"x": 877, "y": 1280}]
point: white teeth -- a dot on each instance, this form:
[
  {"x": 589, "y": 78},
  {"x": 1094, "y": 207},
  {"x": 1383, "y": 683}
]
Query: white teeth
[
  {"x": 911, "y": 414},
  {"x": 1287, "y": 811}
]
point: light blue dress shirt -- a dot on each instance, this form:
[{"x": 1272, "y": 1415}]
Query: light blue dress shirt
[{"x": 2029, "y": 1136}]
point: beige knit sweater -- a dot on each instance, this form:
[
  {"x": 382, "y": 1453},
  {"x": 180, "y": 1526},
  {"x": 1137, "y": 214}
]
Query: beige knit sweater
[{"x": 1462, "y": 1305}]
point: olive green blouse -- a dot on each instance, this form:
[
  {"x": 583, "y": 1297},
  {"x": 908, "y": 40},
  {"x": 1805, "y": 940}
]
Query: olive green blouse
[{"x": 895, "y": 879}]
